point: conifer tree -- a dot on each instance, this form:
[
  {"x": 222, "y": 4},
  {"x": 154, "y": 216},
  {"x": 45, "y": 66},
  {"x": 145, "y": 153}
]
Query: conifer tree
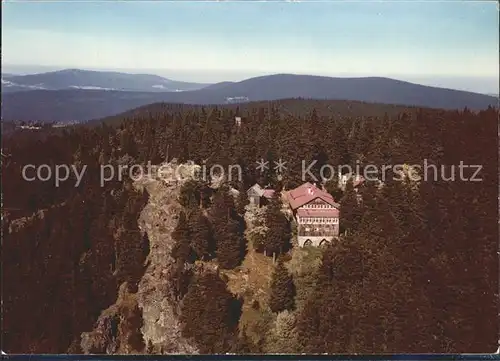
[
  {"x": 179, "y": 279},
  {"x": 350, "y": 210},
  {"x": 229, "y": 247},
  {"x": 242, "y": 200},
  {"x": 210, "y": 314},
  {"x": 228, "y": 229},
  {"x": 182, "y": 236},
  {"x": 282, "y": 289},
  {"x": 189, "y": 195},
  {"x": 200, "y": 235},
  {"x": 332, "y": 186},
  {"x": 277, "y": 238}
]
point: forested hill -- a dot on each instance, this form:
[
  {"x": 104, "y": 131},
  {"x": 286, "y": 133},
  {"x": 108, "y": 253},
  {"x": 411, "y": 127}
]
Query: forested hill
[
  {"x": 88, "y": 79},
  {"x": 413, "y": 257},
  {"x": 82, "y": 105},
  {"x": 335, "y": 109}
]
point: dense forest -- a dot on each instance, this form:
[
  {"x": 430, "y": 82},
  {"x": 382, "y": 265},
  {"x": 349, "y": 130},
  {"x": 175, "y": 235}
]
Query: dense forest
[{"x": 415, "y": 270}]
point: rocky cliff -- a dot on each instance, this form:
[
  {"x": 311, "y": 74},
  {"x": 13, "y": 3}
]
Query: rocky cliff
[{"x": 160, "y": 329}]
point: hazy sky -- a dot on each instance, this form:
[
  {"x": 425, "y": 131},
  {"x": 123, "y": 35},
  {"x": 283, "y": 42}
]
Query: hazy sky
[{"x": 445, "y": 43}]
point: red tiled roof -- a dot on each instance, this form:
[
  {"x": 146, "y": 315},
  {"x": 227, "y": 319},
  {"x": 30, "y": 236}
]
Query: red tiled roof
[
  {"x": 262, "y": 192},
  {"x": 315, "y": 212},
  {"x": 306, "y": 193},
  {"x": 268, "y": 193}
]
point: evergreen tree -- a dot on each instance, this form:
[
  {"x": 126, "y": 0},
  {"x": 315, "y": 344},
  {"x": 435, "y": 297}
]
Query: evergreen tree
[
  {"x": 182, "y": 236},
  {"x": 179, "y": 279},
  {"x": 350, "y": 210},
  {"x": 332, "y": 186},
  {"x": 200, "y": 235},
  {"x": 189, "y": 195},
  {"x": 282, "y": 338},
  {"x": 242, "y": 201},
  {"x": 277, "y": 238},
  {"x": 230, "y": 243},
  {"x": 282, "y": 289},
  {"x": 210, "y": 314},
  {"x": 228, "y": 229}
]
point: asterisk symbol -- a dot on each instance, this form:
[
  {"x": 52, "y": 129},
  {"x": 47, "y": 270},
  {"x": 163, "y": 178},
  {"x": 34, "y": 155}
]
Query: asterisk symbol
[
  {"x": 279, "y": 166},
  {"x": 262, "y": 165}
]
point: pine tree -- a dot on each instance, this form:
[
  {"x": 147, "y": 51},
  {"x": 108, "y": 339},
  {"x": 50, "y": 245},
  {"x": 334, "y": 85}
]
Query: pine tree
[
  {"x": 179, "y": 279},
  {"x": 282, "y": 338},
  {"x": 210, "y": 314},
  {"x": 200, "y": 235},
  {"x": 277, "y": 239},
  {"x": 242, "y": 200},
  {"x": 182, "y": 236},
  {"x": 228, "y": 229},
  {"x": 189, "y": 196},
  {"x": 350, "y": 210},
  {"x": 282, "y": 289},
  {"x": 332, "y": 186},
  {"x": 223, "y": 205},
  {"x": 229, "y": 248},
  {"x": 327, "y": 316}
]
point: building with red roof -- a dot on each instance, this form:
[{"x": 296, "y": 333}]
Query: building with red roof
[
  {"x": 258, "y": 196},
  {"x": 316, "y": 213}
]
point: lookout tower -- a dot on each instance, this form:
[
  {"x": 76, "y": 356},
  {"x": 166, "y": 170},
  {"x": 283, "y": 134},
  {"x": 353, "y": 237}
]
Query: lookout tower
[{"x": 237, "y": 121}]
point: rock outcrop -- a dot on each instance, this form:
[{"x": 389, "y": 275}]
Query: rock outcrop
[
  {"x": 161, "y": 327},
  {"x": 117, "y": 330}
]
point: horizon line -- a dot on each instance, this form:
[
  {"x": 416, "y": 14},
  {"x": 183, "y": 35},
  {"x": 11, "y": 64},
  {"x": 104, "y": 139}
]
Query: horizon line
[{"x": 395, "y": 77}]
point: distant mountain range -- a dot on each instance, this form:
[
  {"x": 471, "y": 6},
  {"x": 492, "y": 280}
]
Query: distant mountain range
[
  {"x": 87, "y": 100},
  {"x": 94, "y": 80}
]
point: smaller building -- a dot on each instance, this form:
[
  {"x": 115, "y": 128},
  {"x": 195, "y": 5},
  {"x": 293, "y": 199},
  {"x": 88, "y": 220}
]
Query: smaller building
[{"x": 258, "y": 196}]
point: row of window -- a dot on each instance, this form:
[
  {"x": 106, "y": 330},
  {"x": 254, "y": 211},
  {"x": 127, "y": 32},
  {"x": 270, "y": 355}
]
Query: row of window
[
  {"x": 324, "y": 206},
  {"x": 324, "y": 231},
  {"x": 318, "y": 220}
]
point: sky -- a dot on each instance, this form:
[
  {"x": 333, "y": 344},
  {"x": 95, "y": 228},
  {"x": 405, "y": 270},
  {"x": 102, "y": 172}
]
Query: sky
[{"x": 443, "y": 43}]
